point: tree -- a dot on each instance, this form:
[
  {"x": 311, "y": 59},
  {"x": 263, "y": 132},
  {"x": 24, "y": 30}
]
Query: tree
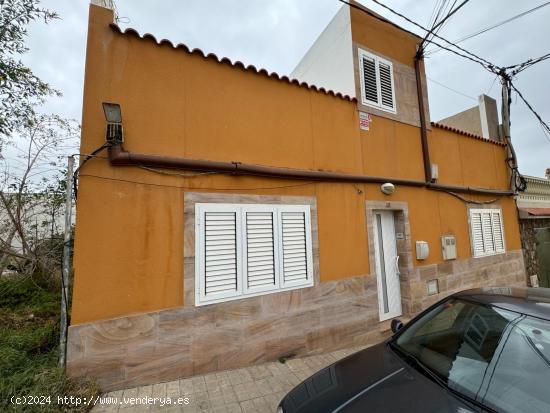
[
  {"x": 32, "y": 198},
  {"x": 20, "y": 89}
]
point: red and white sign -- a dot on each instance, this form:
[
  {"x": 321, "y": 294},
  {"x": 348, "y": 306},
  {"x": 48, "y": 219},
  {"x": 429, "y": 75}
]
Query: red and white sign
[{"x": 364, "y": 120}]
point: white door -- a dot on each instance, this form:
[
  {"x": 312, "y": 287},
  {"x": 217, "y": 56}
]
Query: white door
[{"x": 387, "y": 265}]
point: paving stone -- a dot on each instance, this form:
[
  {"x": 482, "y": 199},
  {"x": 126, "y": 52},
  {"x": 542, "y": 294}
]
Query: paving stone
[{"x": 245, "y": 390}]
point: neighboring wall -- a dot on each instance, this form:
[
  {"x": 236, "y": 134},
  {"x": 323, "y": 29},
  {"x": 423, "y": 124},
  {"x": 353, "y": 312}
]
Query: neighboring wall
[
  {"x": 129, "y": 244},
  {"x": 481, "y": 120},
  {"x": 329, "y": 63},
  {"x": 529, "y": 230}
]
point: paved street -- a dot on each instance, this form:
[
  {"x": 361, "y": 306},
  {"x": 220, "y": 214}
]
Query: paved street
[{"x": 246, "y": 390}]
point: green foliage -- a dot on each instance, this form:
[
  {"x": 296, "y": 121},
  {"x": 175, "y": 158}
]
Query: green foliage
[
  {"x": 20, "y": 88},
  {"x": 29, "y": 338}
]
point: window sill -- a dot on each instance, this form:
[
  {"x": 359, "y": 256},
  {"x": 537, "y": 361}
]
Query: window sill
[{"x": 198, "y": 302}]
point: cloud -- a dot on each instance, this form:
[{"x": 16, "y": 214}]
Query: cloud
[{"x": 274, "y": 34}]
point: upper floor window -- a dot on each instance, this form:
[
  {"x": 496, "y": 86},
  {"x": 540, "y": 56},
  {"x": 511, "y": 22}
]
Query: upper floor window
[
  {"x": 377, "y": 86},
  {"x": 487, "y": 232},
  {"x": 251, "y": 249}
]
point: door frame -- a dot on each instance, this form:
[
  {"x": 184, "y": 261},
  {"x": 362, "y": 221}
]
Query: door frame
[
  {"x": 387, "y": 275},
  {"x": 403, "y": 244}
]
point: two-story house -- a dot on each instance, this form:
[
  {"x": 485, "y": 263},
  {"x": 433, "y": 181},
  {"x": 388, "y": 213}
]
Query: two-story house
[{"x": 239, "y": 216}]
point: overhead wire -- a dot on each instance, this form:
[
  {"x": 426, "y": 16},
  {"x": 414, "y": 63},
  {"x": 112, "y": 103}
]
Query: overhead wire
[
  {"x": 493, "y": 26},
  {"x": 472, "y": 56},
  {"x": 544, "y": 125},
  {"x": 519, "y": 180},
  {"x": 528, "y": 63},
  {"x": 451, "y": 89},
  {"x": 437, "y": 26},
  {"x": 86, "y": 159},
  {"x": 196, "y": 187}
]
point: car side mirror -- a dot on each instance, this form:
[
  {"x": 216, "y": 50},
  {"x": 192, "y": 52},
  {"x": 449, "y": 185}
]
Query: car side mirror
[{"x": 396, "y": 325}]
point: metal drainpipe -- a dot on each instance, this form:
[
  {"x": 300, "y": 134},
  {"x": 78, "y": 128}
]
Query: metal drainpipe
[
  {"x": 119, "y": 157},
  {"x": 423, "y": 127}
]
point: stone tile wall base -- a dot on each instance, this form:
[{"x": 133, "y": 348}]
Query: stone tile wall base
[{"x": 182, "y": 342}]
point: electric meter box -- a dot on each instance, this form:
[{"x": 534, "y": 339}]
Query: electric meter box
[
  {"x": 422, "y": 250},
  {"x": 448, "y": 247}
]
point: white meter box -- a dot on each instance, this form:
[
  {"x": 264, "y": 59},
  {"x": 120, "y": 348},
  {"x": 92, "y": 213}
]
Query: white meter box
[{"x": 448, "y": 247}]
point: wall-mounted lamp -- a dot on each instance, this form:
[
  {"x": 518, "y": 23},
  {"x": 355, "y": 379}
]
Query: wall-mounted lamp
[
  {"x": 113, "y": 116},
  {"x": 387, "y": 188}
]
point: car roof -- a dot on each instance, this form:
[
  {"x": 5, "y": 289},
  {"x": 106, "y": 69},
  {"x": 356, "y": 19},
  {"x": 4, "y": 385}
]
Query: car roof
[{"x": 529, "y": 301}]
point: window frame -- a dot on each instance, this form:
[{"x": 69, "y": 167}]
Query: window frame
[
  {"x": 377, "y": 60},
  {"x": 242, "y": 291},
  {"x": 490, "y": 211}
]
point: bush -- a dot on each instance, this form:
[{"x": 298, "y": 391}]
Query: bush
[{"x": 29, "y": 348}]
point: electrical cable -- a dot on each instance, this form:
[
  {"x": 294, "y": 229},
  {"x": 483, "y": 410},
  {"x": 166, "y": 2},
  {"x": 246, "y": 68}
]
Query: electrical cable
[
  {"x": 493, "y": 26},
  {"x": 466, "y": 200},
  {"x": 517, "y": 181},
  {"x": 198, "y": 187},
  {"x": 438, "y": 11},
  {"x": 77, "y": 170},
  {"x": 528, "y": 63},
  {"x": 451, "y": 89},
  {"x": 184, "y": 175},
  {"x": 544, "y": 125},
  {"x": 433, "y": 31},
  {"x": 473, "y": 57}
]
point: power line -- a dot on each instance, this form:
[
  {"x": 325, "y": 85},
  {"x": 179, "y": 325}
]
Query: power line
[
  {"x": 433, "y": 31},
  {"x": 450, "y": 88},
  {"x": 494, "y": 26},
  {"x": 197, "y": 187},
  {"x": 528, "y": 63},
  {"x": 544, "y": 125},
  {"x": 487, "y": 65}
]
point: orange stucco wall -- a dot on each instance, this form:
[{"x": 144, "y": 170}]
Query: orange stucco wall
[{"x": 129, "y": 236}]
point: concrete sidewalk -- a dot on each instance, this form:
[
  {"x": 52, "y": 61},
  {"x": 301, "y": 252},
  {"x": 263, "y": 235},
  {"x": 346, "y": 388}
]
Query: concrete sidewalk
[{"x": 246, "y": 390}]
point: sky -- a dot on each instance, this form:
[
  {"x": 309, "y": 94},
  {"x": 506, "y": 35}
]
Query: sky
[{"x": 275, "y": 34}]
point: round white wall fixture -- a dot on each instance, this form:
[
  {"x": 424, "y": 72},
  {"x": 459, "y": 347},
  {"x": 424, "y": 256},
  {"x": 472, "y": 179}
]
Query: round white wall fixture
[{"x": 387, "y": 188}]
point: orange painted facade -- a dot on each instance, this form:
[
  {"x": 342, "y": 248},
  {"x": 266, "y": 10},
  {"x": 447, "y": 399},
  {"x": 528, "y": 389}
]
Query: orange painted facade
[{"x": 129, "y": 245}]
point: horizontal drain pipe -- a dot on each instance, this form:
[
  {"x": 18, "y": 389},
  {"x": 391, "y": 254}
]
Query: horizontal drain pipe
[{"x": 120, "y": 157}]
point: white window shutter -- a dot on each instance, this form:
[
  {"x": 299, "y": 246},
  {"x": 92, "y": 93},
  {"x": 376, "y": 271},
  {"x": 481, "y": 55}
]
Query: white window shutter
[
  {"x": 260, "y": 258},
  {"x": 370, "y": 79},
  {"x": 487, "y": 232},
  {"x": 295, "y": 242},
  {"x": 377, "y": 82},
  {"x": 498, "y": 231},
  {"x": 386, "y": 85},
  {"x": 243, "y": 250},
  {"x": 477, "y": 234},
  {"x": 218, "y": 249},
  {"x": 488, "y": 240}
]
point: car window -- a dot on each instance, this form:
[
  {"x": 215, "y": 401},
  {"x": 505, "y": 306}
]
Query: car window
[{"x": 497, "y": 357}]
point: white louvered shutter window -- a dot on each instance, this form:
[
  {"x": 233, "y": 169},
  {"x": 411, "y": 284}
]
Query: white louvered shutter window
[
  {"x": 295, "y": 250},
  {"x": 477, "y": 234},
  {"x": 498, "y": 232},
  {"x": 370, "y": 80},
  {"x": 377, "y": 83},
  {"x": 386, "y": 85},
  {"x": 251, "y": 249},
  {"x": 218, "y": 249},
  {"x": 486, "y": 232},
  {"x": 260, "y": 255}
]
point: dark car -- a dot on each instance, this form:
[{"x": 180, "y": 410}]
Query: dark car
[{"x": 475, "y": 351}]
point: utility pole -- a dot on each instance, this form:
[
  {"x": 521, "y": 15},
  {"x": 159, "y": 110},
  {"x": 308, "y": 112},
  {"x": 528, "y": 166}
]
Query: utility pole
[
  {"x": 512, "y": 159},
  {"x": 66, "y": 265}
]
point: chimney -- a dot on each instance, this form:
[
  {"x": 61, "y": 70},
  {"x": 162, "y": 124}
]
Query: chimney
[
  {"x": 547, "y": 173},
  {"x": 108, "y": 4},
  {"x": 488, "y": 116}
]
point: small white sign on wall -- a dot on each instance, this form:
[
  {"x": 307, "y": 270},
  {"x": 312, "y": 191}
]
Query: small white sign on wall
[{"x": 364, "y": 120}]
